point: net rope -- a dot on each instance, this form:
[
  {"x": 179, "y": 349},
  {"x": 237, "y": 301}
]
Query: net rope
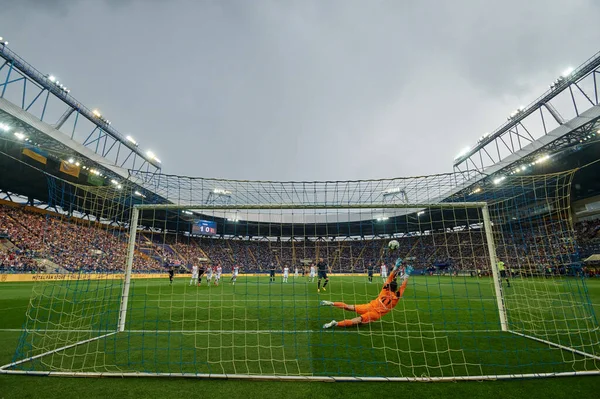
[{"x": 446, "y": 324}]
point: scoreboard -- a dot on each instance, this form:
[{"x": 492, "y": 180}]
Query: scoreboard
[{"x": 204, "y": 227}]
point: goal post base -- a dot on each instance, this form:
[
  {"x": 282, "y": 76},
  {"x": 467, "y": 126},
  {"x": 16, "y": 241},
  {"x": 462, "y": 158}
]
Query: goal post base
[{"x": 490, "y": 377}]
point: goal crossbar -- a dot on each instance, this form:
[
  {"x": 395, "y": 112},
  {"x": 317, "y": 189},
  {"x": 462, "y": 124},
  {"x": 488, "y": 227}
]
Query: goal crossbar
[{"x": 292, "y": 206}]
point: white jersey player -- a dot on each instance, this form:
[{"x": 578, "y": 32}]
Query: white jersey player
[
  {"x": 296, "y": 271},
  {"x": 218, "y": 274},
  {"x": 209, "y": 275},
  {"x": 234, "y": 274},
  {"x": 286, "y": 273},
  {"x": 384, "y": 271},
  {"x": 194, "y": 274},
  {"x": 313, "y": 273}
]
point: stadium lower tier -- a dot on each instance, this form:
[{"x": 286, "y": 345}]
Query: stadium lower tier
[{"x": 35, "y": 240}]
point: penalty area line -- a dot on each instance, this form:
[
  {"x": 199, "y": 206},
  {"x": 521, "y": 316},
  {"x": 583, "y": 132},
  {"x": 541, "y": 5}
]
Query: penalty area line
[{"x": 397, "y": 332}]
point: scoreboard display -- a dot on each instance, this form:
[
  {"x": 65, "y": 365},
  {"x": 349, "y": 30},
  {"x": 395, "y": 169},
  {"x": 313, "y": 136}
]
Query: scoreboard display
[{"x": 204, "y": 227}]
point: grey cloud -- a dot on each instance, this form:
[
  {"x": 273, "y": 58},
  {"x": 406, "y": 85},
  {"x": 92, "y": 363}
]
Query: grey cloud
[{"x": 304, "y": 89}]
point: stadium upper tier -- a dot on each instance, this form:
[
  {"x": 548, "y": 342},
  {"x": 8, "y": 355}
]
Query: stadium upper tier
[{"x": 43, "y": 125}]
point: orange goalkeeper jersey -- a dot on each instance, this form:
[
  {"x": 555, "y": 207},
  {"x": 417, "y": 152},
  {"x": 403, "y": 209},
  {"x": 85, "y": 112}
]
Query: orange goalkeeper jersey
[{"x": 387, "y": 300}]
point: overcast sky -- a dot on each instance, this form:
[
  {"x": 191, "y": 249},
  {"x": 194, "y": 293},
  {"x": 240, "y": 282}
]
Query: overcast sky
[{"x": 304, "y": 90}]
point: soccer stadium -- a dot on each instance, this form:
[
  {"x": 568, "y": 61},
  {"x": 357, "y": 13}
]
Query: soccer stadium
[{"x": 111, "y": 266}]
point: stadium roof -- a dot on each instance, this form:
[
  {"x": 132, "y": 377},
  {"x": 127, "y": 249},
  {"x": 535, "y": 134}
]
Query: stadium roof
[{"x": 566, "y": 144}]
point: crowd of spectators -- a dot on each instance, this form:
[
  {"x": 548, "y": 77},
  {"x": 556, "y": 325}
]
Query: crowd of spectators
[{"x": 77, "y": 245}]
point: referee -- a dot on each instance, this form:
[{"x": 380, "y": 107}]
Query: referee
[{"x": 503, "y": 274}]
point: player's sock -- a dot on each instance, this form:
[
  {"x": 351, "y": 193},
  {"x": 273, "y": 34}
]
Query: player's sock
[
  {"x": 345, "y": 323},
  {"x": 332, "y": 323},
  {"x": 325, "y": 285},
  {"x": 319, "y": 284}
]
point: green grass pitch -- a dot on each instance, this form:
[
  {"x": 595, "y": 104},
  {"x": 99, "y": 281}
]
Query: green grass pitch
[{"x": 442, "y": 327}]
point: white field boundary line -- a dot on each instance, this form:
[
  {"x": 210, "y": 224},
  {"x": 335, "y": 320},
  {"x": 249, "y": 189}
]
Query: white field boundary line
[
  {"x": 487, "y": 377},
  {"x": 251, "y": 331},
  {"x": 376, "y": 332}
]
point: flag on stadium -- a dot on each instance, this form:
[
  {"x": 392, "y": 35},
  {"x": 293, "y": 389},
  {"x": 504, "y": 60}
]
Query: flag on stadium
[
  {"x": 36, "y": 154},
  {"x": 69, "y": 169}
]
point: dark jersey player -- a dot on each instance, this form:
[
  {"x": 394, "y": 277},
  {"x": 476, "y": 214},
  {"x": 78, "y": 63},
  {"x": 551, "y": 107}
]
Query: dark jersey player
[
  {"x": 171, "y": 272},
  {"x": 370, "y": 269},
  {"x": 272, "y": 273},
  {"x": 200, "y": 274},
  {"x": 322, "y": 269}
]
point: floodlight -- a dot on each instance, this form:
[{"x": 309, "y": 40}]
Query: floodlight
[
  {"x": 77, "y": 164},
  {"x": 420, "y": 213},
  {"x": 97, "y": 113},
  {"x": 499, "y": 180},
  {"x": 150, "y": 154},
  {"x": 52, "y": 78},
  {"x": 463, "y": 152},
  {"x": 543, "y": 158},
  {"x": 19, "y": 135},
  {"x": 132, "y": 140},
  {"x": 71, "y": 160},
  {"x": 567, "y": 72}
]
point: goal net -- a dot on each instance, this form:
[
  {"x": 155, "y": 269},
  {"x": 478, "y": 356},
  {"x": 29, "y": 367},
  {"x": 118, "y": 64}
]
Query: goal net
[{"x": 178, "y": 276}]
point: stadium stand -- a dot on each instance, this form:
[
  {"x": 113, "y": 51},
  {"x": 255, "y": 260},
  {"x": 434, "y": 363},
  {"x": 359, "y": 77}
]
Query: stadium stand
[{"x": 28, "y": 235}]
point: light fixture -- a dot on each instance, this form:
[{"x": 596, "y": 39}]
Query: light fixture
[
  {"x": 542, "y": 159},
  {"x": 499, "y": 180},
  {"x": 131, "y": 140},
  {"x": 567, "y": 72},
  {"x": 420, "y": 213},
  {"x": 19, "y": 135},
  {"x": 77, "y": 164},
  {"x": 52, "y": 78},
  {"x": 71, "y": 160},
  {"x": 97, "y": 113},
  {"x": 463, "y": 152}
]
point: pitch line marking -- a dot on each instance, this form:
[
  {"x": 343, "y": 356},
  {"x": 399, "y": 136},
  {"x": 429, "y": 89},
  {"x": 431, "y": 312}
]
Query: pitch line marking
[{"x": 250, "y": 331}]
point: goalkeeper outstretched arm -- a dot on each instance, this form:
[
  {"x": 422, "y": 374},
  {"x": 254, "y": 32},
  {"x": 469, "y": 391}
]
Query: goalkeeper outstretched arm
[{"x": 386, "y": 300}]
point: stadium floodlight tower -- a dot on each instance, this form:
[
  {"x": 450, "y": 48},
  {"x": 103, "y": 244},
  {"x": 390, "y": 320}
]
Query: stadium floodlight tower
[
  {"x": 395, "y": 194},
  {"x": 219, "y": 196}
]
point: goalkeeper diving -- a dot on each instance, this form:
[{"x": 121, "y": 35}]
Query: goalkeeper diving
[{"x": 386, "y": 300}]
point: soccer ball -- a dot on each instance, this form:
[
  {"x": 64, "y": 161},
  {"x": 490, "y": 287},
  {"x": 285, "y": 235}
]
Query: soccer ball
[{"x": 393, "y": 245}]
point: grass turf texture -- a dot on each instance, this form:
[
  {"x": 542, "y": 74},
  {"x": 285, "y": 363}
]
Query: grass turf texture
[{"x": 277, "y": 329}]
